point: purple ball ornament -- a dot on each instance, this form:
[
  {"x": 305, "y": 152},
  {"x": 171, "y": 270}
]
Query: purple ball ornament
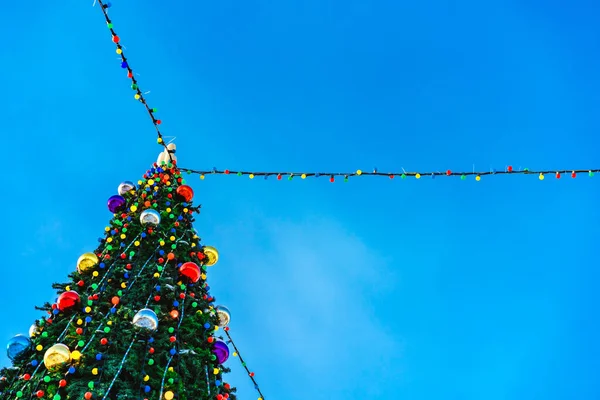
[
  {"x": 221, "y": 351},
  {"x": 116, "y": 203}
]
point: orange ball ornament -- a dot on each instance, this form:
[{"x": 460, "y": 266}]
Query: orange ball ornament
[
  {"x": 186, "y": 192},
  {"x": 115, "y": 300}
]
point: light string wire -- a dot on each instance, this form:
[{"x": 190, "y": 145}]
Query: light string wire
[
  {"x": 120, "y": 368},
  {"x": 139, "y": 95},
  {"x": 250, "y": 374},
  {"x": 401, "y": 174}
]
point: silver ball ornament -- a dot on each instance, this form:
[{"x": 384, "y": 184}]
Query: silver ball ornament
[
  {"x": 145, "y": 320},
  {"x": 150, "y": 217},
  {"x": 126, "y": 187},
  {"x": 224, "y": 316}
]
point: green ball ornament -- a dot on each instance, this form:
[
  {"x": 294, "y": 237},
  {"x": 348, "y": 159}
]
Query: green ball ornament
[
  {"x": 194, "y": 304},
  {"x": 106, "y": 329},
  {"x": 19, "y": 394},
  {"x": 94, "y": 286},
  {"x": 151, "y": 362},
  {"x": 44, "y": 334},
  {"x": 56, "y": 397},
  {"x": 47, "y": 379},
  {"x": 81, "y": 343},
  {"x": 91, "y": 385}
]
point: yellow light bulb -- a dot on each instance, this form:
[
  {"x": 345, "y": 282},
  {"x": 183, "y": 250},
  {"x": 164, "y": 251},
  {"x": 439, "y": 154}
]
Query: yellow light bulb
[
  {"x": 122, "y": 236},
  {"x": 146, "y": 378},
  {"x": 107, "y": 229},
  {"x": 136, "y": 243},
  {"x": 216, "y": 371},
  {"x": 123, "y": 285},
  {"x": 156, "y": 275},
  {"x": 119, "y": 51},
  {"x": 162, "y": 242},
  {"x": 67, "y": 288},
  {"x": 235, "y": 353},
  {"x": 202, "y": 177},
  {"x": 477, "y": 178},
  {"x": 541, "y": 177},
  {"x": 193, "y": 245},
  {"x": 95, "y": 273},
  {"x": 172, "y": 238},
  {"x": 137, "y": 96},
  {"x": 39, "y": 347},
  {"x": 150, "y": 182},
  {"x": 168, "y": 209},
  {"x": 109, "y": 323},
  {"x": 251, "y": 176},
  {"x": 88, "y": 309},
  {"x": 79, "y": 321},
  {"x": 75, "y": 355},
  {"x": 159, "y": 140},
  {"x": 418, "y": 176},
  {"x": 358, "y": 172},
  {"x": 109, "y": 240}
]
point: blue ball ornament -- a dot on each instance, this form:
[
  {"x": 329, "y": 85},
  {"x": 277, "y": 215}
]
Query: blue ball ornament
[{"x": 17, "y": 345}]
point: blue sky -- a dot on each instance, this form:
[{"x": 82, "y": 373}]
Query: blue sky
[{"x": 406, "y": 289}]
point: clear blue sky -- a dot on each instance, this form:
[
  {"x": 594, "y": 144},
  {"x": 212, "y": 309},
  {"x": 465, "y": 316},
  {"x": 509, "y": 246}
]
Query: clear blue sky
[{"x": 429, "y": 289}]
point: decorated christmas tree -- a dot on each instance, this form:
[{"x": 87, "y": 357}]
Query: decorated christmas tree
[{"x": 136, "y": 319}]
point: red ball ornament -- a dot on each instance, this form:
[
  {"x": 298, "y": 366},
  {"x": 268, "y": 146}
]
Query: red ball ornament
[
  {"x": 39, "y": 393},
  {"x": 220, "y": 397},
  {"x": 182, "y": 296},
  {"x": 509, "y": 169},
  {"x": 251, "y": 374},
  {"x": 80, "y": 283},
  {"x": 79, "y": 331},
  {"x": 62, "y": 383},
  {"x": 191, "y": 271},
  {"x": 115, "y": 39},
  {"x": 151, "y": 350},
  {"x": 210, "y": 339},
  {"x": 157, "y": 298},
  {"x": 448, "y": 172},
  {"x": 227, "y": 386},
  {"x": 87, "y": 395},
  {"x": 27, "y": 377},
  {"x": 68, "y": 300},
  {"x": 104, "y": 341},
  {"x": 185, "y": 192},
  {"x": 172, "y": 339}
]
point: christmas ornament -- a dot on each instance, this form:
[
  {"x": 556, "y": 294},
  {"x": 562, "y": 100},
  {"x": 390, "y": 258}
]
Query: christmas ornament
[
  {"x": 57, "y": 356},
  {"x": 185, "y": 192},
  {"x": 150, "y": 217},
  {"x": 34, "y": 330},
  {"x": 126, "y": 187},
  {"x": 17, "y": 345},
  {"x": 211, "y": 254},
  {"x": 224, "y": 316},
  {"x": 221, "y": 350},
  {"x": 145, "y": 320},
  {"x": 191, "y": 271},
  {"x": 116, "y": 203},
  {"x": 87, "y": 262},
  {"x": 68, "y": 300}
]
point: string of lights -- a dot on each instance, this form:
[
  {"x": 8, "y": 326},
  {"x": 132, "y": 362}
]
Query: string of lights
[
  {"x": 509, "y": 170},
  {"x": 250, "y": 374},
  {"x": 138, "y": 94}
]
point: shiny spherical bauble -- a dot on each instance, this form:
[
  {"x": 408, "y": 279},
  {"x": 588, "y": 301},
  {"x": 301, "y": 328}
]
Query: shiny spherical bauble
[
  {"x": 212, "y": 255},
  {"x": 57, "y": 356},
  {"x": 17, "y": 345},
  {"x": 87, "y": 262},
  {"x": 126, "y": 187},
  {"x": 185, "y": 192},
  {"x": 68, "y": 300},
  {"x": 34, "y": 330},
  {"x": 145, "y": 320},
  {"x": 224, "y": 316},
  {"x": 116, "y": 203},
  {"x": 150, "y": 217},
  {"x": 221, "y": 350},
  {"x": 191, "y": 271}
]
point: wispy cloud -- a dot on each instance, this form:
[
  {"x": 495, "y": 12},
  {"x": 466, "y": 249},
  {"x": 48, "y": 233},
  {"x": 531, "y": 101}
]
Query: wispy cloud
[{"x": 318, "y": 288}]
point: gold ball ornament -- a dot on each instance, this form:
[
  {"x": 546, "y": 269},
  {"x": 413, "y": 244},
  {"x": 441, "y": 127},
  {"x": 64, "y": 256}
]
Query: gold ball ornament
[
  {"x": 87, "y": 262},
  {"x": 212, "y": 255},
  {"x": 57, "y": 356}
]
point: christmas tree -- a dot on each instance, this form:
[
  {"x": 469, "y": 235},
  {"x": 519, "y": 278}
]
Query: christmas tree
[{"x": 136, "y": 319}]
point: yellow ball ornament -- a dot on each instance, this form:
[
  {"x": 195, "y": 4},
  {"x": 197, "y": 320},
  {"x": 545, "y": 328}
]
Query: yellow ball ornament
[
  {"x": 95, "y": 371},
  {"x": 212, "y": 255},
  {"x": 57, "y": 356},
  {"x": 86, "y": 262},
  {"x": 169, "y": 395},
  {"x": 39, "y": 347},
  {"x": 133, "y": 208}
]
